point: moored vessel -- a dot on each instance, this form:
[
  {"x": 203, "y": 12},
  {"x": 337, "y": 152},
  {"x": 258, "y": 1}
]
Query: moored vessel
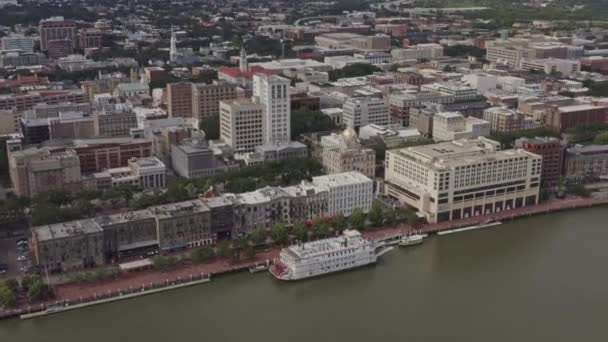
[
  {"x": 411, "y": 240},
  {"x": 311, "y": 259}
]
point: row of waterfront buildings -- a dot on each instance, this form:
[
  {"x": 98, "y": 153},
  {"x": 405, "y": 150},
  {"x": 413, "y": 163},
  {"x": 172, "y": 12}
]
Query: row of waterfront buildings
[{"x": 198, "y": 222}]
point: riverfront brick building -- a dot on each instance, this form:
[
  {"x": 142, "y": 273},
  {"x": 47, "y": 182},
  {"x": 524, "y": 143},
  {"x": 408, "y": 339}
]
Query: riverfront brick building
[{"x": 552, "y": 151}]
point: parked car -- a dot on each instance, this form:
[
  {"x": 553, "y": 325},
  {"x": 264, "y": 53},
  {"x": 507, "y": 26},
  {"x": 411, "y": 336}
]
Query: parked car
[
  {"x": 26, "y": 268},
  {"x": 3, "y": 270},
  {"x": 23, "y": 258},
  {"x": 22, "y": 242}
]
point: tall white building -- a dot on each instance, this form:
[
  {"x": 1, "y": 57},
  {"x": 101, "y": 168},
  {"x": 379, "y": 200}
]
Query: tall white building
[
  {"x": 241, "y": 124},
  {"x": 463, "y": 178},
  {"x": 272, "y": 92},
  {"x": 361, "y": 111}
]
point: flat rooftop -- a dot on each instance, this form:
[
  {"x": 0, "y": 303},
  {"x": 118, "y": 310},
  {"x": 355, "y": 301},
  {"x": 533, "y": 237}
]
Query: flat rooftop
[
  {"x": 66, "y": 230},
  {"x": 459, "y": 152},
  {"x": 179, "y": 209},
  {"x": 340, "y": 179},
  {"x": 130, "y": 216}
]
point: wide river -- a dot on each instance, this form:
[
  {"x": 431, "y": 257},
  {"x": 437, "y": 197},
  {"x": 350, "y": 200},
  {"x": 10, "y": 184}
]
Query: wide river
[{"x": 536, "y": 279}]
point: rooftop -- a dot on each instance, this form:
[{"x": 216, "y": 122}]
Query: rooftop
[
  {"x": 179, "y": 209},
  {"x": 129, "y": 216},
  {"x": 578, "y": 108},
  {"x": 66, "y": 230},
  {"x": 459, "y": 152},
  {"x": 340, "y": 179}
]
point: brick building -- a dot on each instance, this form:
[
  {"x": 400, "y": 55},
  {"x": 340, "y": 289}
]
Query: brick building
[{"x": 552, "y": 151}]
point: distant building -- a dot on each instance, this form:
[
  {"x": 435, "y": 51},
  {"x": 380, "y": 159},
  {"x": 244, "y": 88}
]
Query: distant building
[
  {"x": 361, "y": 111},
  {"x": 34, "y": 171},
  {"x": 206, "y": 98},
  {"x": 503, "y": 120},
  {"x": 448, "y": 126},
  {"x": 180, "y": 99},
  {"x": 56, "y": 28},
  {"x": 60, "y": 48},
  {"x": 89, "y": 39},
  {"x": 116, "y": 122},
  {"x": 558, "y": 119},
  {"x": 421, "y": 51},
  {"x": 144, "y": 173},
  {"x": 17, "y": 42},
  {"x": 193, "y": 159}
]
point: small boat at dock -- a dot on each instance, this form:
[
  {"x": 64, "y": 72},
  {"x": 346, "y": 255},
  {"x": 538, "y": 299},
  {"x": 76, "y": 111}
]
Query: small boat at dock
[{"x": 411, "y": 240}]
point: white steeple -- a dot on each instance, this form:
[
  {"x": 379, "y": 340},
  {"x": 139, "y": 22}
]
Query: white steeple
[
  {"x": 173, "y": 49},
  {"x": 243, "y": 66}
]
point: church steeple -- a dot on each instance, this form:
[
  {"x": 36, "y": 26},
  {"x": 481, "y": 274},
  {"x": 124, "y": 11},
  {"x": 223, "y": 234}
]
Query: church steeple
[
  {"x": 243, "y": 66},
  {"x": 173, "y": 49}
]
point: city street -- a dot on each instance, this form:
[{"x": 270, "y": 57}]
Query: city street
[{"x": 8, "y": 257}]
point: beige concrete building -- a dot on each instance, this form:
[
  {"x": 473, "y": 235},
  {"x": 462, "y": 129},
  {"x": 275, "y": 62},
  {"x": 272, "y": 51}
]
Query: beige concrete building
[
  {"x": 114, "y": 123},
  {"x": 68, "y": 246},
  {"x": 241, "y": 124},
  {"x": 206, "y": 98},
  {"x": 504, "y": 120},
  {"x": 343, "y": 153},
  {"x": 35, "y": 170},
  {"x": 463, "y": 178},
  {"x": 9, "y": 121}
]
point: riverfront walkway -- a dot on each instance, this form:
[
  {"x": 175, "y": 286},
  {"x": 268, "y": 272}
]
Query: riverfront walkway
[{"x": 83, "y": 292}]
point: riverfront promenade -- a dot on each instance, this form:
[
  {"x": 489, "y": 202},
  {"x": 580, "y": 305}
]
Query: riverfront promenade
[{"x": 80, "y": 292}]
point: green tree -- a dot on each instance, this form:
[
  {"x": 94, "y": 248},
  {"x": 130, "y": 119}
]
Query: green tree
[
  {"x": 38, "y": 290},
  {"x": 164, "y": 262},
  {"x": 8, "y": 296},
  {"x": 211, "y": 126},
  {"x": 410, "y": 216},
  {"x": 224, "y": 249},
  {"x": 601, "y": 139},
  {"x": 202, "y": 254},
  {"x": 249, "y": 252},
  {"x": 375, "y": 214},
  {"x": 579, "y": 190},
  {"x": 257, "y": 236},
  {"x": 339, "y": 222},
  {"x": 304, "y": 120},
  {"x": 279, "y": 233},
  {"x": 353, "y": 70},
  {"x": 300, "y": 232},
  {"x": 357, "y": 219}
]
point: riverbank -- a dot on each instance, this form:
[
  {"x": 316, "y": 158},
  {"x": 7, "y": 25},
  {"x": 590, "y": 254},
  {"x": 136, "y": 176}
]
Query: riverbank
[{"x": 74, "y": 293}]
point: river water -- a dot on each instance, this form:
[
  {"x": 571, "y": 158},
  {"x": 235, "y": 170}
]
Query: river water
[{"x": 536, "y": 279}]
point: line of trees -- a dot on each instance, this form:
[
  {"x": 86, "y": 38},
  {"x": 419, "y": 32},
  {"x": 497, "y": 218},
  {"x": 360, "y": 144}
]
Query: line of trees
[{"x": 31, "y": 287}]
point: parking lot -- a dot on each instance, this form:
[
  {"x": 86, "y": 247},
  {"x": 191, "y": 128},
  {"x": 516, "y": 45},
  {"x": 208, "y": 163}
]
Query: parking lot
[{"x": 9, "y": 255}]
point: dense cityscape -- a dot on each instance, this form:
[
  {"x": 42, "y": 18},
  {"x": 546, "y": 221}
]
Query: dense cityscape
[{"x": 146, "y": 141}]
